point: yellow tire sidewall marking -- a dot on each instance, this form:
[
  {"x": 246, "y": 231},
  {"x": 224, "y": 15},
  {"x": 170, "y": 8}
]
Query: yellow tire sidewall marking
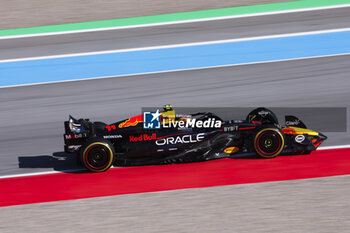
[
  {"x": 275, "y": 154},
  {"x": 103, "y": 144}
]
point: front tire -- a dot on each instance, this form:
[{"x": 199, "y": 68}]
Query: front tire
[
  {"x": 97, "y": 155},
  {"x": 269, "y": 142}
]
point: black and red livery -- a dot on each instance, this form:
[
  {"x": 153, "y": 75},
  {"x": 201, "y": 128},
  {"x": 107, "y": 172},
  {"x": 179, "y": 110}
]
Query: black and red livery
[{"x": 127, "y": 143}]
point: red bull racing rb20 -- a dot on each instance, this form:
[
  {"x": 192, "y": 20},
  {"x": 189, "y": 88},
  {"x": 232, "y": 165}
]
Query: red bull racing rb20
[{"x": 163, "y": 137}]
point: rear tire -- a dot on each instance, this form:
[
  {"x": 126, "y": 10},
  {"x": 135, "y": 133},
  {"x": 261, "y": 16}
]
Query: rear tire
[
  {"x": 97, "y": 155},
  {"x": 269, "y": 142}
]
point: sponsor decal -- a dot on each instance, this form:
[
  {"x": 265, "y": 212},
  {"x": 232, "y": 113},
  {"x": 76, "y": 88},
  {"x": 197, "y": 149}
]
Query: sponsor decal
[
  {"x": 231, "y": 150},
  {"x": 192, "y": 123},
  {"x": 112, "y": 136},
  {"x": 74, "y": 147},
  {"x": 74, "y": 136},
  {"x": 144, "y": 137},
  {"x": 132, "y": 121},
  {"x": 156, "y": 120},
  {"x": 263, "y": 113},
  {"x": 151, "y": 120},
  {"x": 299, "y": 138},
  {"x": 291, "y": 123},
  {"x": 186, "y": 116},
  {"x": 184, "y": 139},
  {"x": 231, "y": 128}
]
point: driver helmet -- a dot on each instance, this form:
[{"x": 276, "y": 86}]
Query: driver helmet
[{"x": 167, "y": 107}]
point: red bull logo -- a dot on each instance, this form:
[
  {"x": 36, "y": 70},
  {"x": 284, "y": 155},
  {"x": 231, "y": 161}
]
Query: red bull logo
[
  {"x": 132, "y": 121},
  {"x": 144, "y": 137}
]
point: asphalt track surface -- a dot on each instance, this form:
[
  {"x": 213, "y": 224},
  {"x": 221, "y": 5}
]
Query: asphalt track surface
[
  {"x": 175, "y": 34},
  {"x": 32, "y": 126},
  {"x": 32, "y": 116}
]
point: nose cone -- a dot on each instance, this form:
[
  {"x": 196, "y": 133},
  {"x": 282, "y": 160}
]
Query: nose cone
[
  {"x": 319, "y": 139},
  {"x": 322, "y": 136}
]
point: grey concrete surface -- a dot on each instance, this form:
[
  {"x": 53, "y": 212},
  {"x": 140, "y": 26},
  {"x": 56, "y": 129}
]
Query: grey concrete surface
[
  {"x": 316, "y": 205},
  {"x": 174, "y": 34},
  {"x": 32, "y": 117},
  {"x": 22, "y": 13}
]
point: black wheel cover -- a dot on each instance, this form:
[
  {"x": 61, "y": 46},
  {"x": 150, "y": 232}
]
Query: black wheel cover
[
  {"x": 269, "y": 142},
  {"x": 97, "y": 157}
]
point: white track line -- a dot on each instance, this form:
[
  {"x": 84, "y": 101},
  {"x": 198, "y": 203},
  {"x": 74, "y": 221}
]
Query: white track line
[
  {"x": 173, "y": 46},
  {"x": 32, "y": 174},
  {"x": 333, "y": 147},
  {"x": 77, "y": 170},
  {"x": 169, "y": 71},
  {"x": 47, "y": 173},
  {"x": 176, "y": 22},
  {"x": 179, "y": 45}
]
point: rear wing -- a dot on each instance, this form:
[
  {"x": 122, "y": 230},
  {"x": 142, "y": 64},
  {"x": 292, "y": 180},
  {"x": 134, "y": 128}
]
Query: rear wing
[{"x": 76, "y": 133}]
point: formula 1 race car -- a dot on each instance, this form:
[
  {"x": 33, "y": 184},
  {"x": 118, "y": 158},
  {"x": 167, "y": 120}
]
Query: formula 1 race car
[{"x": 187, "y": 138}]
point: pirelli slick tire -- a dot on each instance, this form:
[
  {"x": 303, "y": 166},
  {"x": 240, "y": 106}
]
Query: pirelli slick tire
[
  {"x": 269, "y": 142},
  {"x": 97, "y": 155}
]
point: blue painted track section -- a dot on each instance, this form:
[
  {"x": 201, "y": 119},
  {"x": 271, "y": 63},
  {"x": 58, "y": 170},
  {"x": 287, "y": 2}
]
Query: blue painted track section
[{"x": 126, "y": 63}]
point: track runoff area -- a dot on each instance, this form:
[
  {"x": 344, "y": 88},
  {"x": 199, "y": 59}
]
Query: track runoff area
[{"x": 52, "y": 186}]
